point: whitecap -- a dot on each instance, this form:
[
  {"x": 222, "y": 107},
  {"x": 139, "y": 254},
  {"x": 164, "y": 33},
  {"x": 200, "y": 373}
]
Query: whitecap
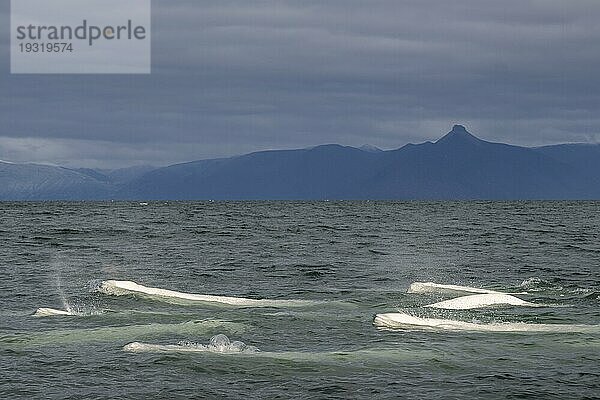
[{"x": 539, "y": 284}]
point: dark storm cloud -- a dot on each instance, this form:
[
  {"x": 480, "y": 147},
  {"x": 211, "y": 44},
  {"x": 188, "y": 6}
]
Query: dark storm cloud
[{"x": 236, "y": 76}]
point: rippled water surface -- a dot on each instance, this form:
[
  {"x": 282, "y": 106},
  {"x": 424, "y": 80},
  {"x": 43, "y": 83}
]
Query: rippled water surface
[{"x": 352, "y": 260}]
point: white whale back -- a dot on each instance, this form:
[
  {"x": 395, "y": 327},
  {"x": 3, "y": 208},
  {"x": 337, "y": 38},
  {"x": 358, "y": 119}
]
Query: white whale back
[
  {"x": 480, "y": 301},
  {"x": 432, "y": 287},
  {"x": 50, "y": 312},
  {"x": 119, "y": 288},
  {"x": 410, "y": 322}
]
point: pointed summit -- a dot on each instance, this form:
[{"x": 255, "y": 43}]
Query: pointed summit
[
  {"x": 458, "y": 134},
  {"x": 459, "y": 128}
]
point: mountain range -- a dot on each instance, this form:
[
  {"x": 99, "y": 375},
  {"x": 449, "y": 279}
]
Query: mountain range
[{"x": 459, "y": 166}]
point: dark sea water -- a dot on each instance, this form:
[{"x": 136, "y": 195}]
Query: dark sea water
[{"x": 353, "y": 259}]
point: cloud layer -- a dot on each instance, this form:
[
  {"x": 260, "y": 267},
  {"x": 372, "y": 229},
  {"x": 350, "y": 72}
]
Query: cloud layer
[{"x": 236, "y": 76}]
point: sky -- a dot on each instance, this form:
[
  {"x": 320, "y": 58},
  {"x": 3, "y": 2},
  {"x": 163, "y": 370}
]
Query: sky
[{"x": 235, "y": 76}]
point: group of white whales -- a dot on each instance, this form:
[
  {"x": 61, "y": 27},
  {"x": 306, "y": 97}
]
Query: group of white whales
[
  {"x": 466, "y": 298},
  {"x": 470, "y": 298}
]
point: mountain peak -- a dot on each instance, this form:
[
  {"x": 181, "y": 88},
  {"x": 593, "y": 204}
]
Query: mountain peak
[
  {"x": 459, "y": 128},
  {"x": 370, "y": 148},
  {"x": 459, "y": 134}
]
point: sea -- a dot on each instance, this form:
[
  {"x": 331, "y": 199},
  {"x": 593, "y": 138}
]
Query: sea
[{"x": 325, "y": 270}]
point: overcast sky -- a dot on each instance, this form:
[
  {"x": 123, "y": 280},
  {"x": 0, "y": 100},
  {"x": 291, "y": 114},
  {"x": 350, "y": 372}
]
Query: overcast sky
[{"x": 235, "y": 76}]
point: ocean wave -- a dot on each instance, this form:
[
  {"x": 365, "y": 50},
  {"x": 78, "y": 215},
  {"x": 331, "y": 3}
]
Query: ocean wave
[
  {"x": 553, "y": 288},
  {"x": 535, "y": 284},
  {"x": 120, "y": 288},
  {"x": 592, "y": 296},
  {"x": 405, "y": 321}
]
